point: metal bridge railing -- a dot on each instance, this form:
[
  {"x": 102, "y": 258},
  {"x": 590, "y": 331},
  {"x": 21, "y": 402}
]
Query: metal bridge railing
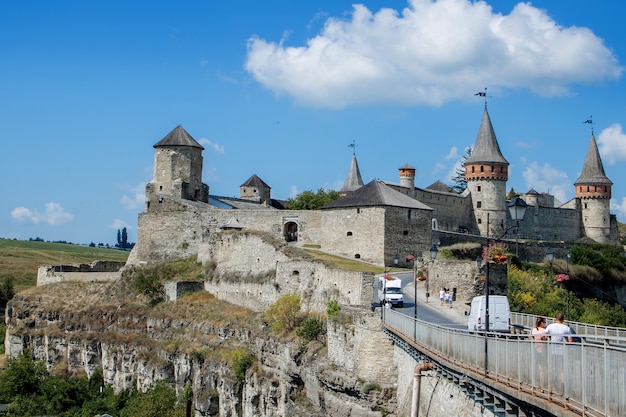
[
  {"x": 587, "y": 377},
  {"x": 528, "y": 321}
]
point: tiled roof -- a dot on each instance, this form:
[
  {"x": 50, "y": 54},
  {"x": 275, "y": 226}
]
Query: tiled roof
[
  {"x": 593, "y": 170},
  {"x": 375, "y": 194},
  {"x": 178, "y": 137},
  {"x": 255, "y": 181},
  {"x": 354, "y": 180},
  {"x": 486, "y": 149}
]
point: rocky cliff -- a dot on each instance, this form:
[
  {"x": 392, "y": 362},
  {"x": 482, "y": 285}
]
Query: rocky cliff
[{"x": 78, "y": 326}]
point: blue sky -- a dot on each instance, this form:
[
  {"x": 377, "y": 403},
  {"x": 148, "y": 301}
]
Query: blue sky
[{"x": 281, "y": 88}]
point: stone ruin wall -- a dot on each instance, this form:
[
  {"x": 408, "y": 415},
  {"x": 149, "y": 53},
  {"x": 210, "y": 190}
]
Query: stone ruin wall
[
  {"x": 254, "y": 274},
  {"x": 176, "y": 228},
  {"x": 98, "y": 271}
]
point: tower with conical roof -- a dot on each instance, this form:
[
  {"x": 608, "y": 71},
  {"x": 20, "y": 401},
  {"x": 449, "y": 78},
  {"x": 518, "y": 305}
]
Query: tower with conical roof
[
  {"x": 255, "y": 189},
  {"x": 486, "y": 173},
  {"x": 177, "y": 169},
  {"x": 407, "y": 176},
  {"x": 354, "y": 180},
  {"x": 593, "y": 190}
]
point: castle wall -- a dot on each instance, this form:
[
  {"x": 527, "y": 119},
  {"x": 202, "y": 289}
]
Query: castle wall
[
  {"x": 171, "y": 227},
  {"x": 355, "y": 233},
  {"x": 178, "y": 172},
  {"x": 99, "y": 271},
  {"x": 253, "y": 273},
  {"x": 406, "y": 232},
  {"x": 489, "y": 200},
  {"x": 451, "y": 211},
  {"x": 548, "y": 223},
  {"x": 596, "y": 219}
]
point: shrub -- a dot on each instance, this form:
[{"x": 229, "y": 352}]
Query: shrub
[
  {"x": 242, "y": 361},
  {"x": 284, "y": 315},
  {"x": 332, "y": 308},
  {"x": 312, "y": 328},
  {"x": 150, "y": 285}
]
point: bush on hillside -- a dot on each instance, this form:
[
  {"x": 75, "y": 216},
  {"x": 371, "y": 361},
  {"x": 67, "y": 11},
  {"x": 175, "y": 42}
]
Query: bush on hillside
[
  {"x": 312, "y": 328},
  {"x": 284, "y": 314}
]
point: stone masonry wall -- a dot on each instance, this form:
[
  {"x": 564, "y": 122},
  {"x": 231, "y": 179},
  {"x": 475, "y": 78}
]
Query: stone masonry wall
[
  {"x": 355, "y": 232},
  {"x": 254, "y": 273},
  {"x": 176, "y": 228},
  {"x": 98, "y": 271}
]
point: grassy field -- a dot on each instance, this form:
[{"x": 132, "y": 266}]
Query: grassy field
[{"x": 20, "y": 259}]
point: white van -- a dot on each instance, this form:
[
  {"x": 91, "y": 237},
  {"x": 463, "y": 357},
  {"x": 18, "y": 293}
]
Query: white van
[
  {"x": 390, "y": 288},
  {"x": 499, "y": 314}
]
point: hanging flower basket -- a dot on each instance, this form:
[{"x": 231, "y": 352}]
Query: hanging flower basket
[
  {"x": 499, "y": 259},
  {"x": 561, "y": 278},
  {"x": 494, "y": 252}
]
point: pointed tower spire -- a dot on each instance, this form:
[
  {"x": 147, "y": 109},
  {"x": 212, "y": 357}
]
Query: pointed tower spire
[
  {"x": 486, "y": 149},
  {"x": 593, "y": 191},
  {"x": 486, "y": 173},
  {"x": 354, "y": 180},
  {"x": 593, "y": 173}
]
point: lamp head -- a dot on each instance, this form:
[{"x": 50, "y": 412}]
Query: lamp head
[
  {"x": 550, "y": 255},
  {"x": 517, "y": 208},
  {"x": 433, "y": 252}
]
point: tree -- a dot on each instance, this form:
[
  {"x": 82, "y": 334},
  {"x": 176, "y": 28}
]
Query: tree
[
  {"x": 122, "y": 239},
  {"x": 284, "y": 314},
  {"x": 460, "y": 183},
  {"x": 308, "y": 200},
  {"x": 511, "y": 194},
  {"x": 6, "y": 291}
]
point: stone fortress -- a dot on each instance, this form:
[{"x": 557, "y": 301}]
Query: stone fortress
[
  {"x": 249, "y": 247},
  {"x": 373, "y": 222}
]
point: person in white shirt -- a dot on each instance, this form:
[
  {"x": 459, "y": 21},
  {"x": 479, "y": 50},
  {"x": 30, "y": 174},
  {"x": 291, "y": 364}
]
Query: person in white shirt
[{"x": 558, "y": 330}]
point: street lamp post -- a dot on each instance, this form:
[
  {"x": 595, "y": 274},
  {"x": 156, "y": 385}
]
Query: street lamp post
[
  {"x": 479, "y": 262},
  {"x": 568, "y": 258},
  {"x": 433, "y": 255},
  {"x": 561, "y": 280},
  {"x": 517, "y": 209}
]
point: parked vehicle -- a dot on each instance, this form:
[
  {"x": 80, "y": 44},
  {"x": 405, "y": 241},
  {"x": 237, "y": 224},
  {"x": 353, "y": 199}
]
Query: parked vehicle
[
  {"x": 390, "y": 289},
  {"x": 499, "y": 314}
]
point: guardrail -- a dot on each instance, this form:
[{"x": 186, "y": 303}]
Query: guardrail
[
  {"x": 586, "y": 377},
  {"x": 528, "y": 321}
]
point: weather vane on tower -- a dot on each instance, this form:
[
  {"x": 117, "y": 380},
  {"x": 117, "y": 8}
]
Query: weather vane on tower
[
  {"x": 353, "y": 146},
  {"x": 589, "y": 121},
  {"x": 483, "y": 94}
]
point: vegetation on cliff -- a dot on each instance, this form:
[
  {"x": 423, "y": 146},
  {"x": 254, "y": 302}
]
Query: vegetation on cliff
[{"x": 30, "y": 390}]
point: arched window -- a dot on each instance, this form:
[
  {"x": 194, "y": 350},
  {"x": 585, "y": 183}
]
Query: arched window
[{"x": 349, "y": 234}]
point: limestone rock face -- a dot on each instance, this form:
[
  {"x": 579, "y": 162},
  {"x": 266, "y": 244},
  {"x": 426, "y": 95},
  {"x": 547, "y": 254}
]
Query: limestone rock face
[{"x": 189, "y": 341}]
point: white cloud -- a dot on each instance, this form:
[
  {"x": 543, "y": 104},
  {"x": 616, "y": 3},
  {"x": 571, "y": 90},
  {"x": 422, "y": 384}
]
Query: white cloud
[
  {"x": 454, "y": 153},
  {"x": 215, "y": 146},
  {"x": 619, "y": 209},
  {"x": 430, "y": 53},
  {"x": 548, "y": 179},
  {"x": 137, "y": 198},
  {"x": 294, "y": 191},
  {"x": 53, "y": 215},
  {"x": 612, "y": 144},
  {"x": 119, "y": 224}
]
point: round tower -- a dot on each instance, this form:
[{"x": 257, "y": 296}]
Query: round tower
[
  {"x": 407, "y": 176},
  {"x": 177, "y": 168},
  {"x": 593, "y": 191},
  {"x": 486, "y": 173}
]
